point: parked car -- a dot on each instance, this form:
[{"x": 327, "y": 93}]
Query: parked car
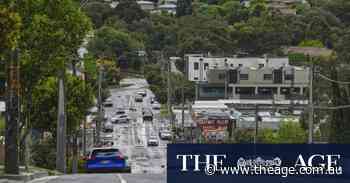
[
  {"x": 107, "y": 136},
  {"x": 107, "y": 130},
  {"x": 156, "y": 106},
  {"x": 152, "y": 141},
  {"x": 147, "y": 115},
  {"x": 138, "y": 98},
  {"x": 120, "y": 119},
  {"x": 165, "y": 135},
  {"x": 106, "y": 160},
  {"x": 142, "y": 93},
  {"x": 108, "y": 103},
  {"x": 133, "y": 109},
  {"x": 120, "y": 112}
]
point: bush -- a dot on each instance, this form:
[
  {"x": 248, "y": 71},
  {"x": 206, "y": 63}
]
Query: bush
[
  {"x": 44, "y": 154},
  {"x": 81, "y": 166}
]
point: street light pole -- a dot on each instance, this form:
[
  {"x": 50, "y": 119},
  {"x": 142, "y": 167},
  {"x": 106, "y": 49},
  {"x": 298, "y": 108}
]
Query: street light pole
[
  {"x": 226, "y": 65},
  {"x": 169, "y": 98},
  {"x": 311, "y": 107},
  {"x": 100, "y": 117},
  {"x": 61, "y": 126},
  {"x": 257, "y": 119}
]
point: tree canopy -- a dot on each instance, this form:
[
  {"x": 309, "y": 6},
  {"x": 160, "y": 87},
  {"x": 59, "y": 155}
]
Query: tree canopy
[{"x": 10, "y": 24}]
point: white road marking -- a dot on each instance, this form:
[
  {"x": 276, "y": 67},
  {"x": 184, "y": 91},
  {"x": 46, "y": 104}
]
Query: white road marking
[
  {"x": 43, "y": 179},
  {"x": 121, "y": 179}
]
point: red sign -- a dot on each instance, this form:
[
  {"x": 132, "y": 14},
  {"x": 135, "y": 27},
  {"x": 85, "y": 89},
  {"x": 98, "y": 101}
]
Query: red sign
[{"x": 215, "y": 123}]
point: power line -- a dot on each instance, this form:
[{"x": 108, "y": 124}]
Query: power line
[{"x": 334, "y": 81}]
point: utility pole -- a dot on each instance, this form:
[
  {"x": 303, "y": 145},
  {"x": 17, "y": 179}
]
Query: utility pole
[
  {"x": 61, "y": 126},
  {"x": 196, "y": 90},
  {"x": 183, "y": 109},
  {"x": 169, "y": 98},
  {"x": 12, "y": 115},
  {"x": 311, "y": 107},
  {"x": 100, "y": 115},
  {"x": 84, "y": 122},
  {"x": 76, "y": 131},
  {"x": 257, "y": 119},
  {"x": 226, "y": 65}
]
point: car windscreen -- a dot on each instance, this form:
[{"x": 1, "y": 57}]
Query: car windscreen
[{"x": 105, "y": 153}]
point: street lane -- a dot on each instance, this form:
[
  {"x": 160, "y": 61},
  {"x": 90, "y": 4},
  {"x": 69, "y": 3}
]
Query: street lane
[
  {"x": 148, "y": 164},
  {"x": 106, "y": 178},
  {"x": 131, "y": 138}
]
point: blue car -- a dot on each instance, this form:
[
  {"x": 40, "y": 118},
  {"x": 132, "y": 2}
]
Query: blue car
[{"x": 106, "y": 160}]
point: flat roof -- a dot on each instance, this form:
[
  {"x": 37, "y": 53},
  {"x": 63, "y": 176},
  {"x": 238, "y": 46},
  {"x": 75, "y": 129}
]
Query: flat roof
[{"x": 255, "y": 101}]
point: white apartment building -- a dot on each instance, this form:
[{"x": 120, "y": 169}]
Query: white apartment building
[
  {"x": 246, "y": 77},
  {"x": 146, "y": 5}
]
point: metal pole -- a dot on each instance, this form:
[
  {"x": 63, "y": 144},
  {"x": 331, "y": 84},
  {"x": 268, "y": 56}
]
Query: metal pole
[
  {"x": 256, "y": 123},
  {"x": 100, "y": 117},
  {"x": 225, "y": 79},
  {"x": 169, "y": 89},
  {"x": 183, "y": 110},
  {"x": 75, "y": 130},
  {"x": 169, "y": 99},
  {"x": 196, "y": 90},
  {"x": 12, "y": 116},
  {"x": 84, "y": 122},
  {"x": 61, "y": 127},
  {"x": 311, "y": 107},
  {"x": 183, "y": 104}
]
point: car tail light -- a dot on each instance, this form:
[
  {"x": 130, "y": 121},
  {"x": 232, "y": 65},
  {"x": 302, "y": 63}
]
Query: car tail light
[{"x": 120, "y": 157}]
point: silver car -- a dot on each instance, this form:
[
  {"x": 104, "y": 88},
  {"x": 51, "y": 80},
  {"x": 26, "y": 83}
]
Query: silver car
[
  {"x": 152, "y": 141},
  {"x": 120, "y": 119}
]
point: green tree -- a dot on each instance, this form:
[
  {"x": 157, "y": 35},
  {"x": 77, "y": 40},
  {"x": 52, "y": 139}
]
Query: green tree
[
  {"x": 261, "y": 35},
  {"x": 257, "y": 7},
  {"x": 203, "y": 34},
  {"x": 268, "y": 136},
  {"x": 51, "y": 35},
  {"x": 291, "y": 132},
  {"x": 99, "y": 12},
  {"x": 129, "y": 11},
  {"x": 79, "y": 98},
  {"x": 311, "y": 43},
  {"x": 288, "y": 132},
  {"x": 10, "y": 24},
  {"x": 163, "y": 35},
  {"x": 234, "y": 12},
  {"x": 244, "y": 136},
  {"x": 339, "y": 131},
  {"x": 339, "y": 8},
  {"x": 183, "y": 8},
  {"x": 110, "y": 43}
]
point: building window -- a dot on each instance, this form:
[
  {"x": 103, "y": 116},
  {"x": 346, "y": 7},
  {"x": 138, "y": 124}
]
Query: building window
[
  {"x": 195, "y": 78},
  {"x": 261, "y": 66},
  {"x": 206, "y": 66},
  {"x": 232, "y": 65},
  {"x": 196, "y": 66},
  {"x": 240, "y": 65},
  {"x": 221, "y": 76},
  {"x": 244, "y": 76},
  {"x": 288, "y": 77},
  {"x": 267, "y": 76}
]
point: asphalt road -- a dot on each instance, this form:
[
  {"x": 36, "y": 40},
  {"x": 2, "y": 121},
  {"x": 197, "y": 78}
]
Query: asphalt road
[
  {"x": 148, "y": 164},
  {"x": 105, "y": 178}
]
